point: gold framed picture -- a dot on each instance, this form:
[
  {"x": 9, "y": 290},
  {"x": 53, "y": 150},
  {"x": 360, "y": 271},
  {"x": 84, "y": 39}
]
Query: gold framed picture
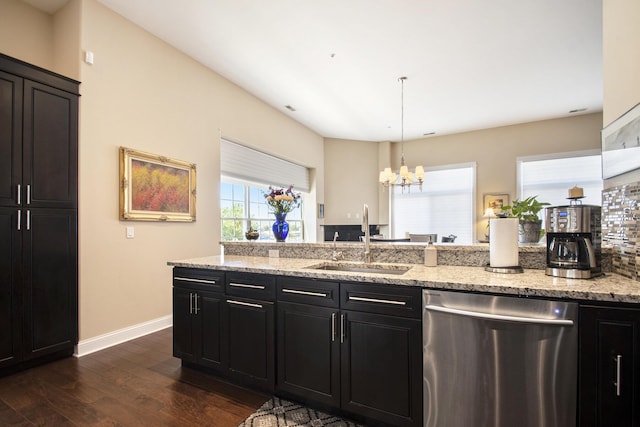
[
  {"x": 495, "y": 202},
  {"x": 156, "y": 188}
]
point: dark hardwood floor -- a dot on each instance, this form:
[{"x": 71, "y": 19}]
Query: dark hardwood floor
[{"x": 138, "y": 383}]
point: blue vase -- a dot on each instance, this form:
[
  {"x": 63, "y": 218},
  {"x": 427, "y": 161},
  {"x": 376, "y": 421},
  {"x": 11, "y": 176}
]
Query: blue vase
[{"x": 280, "y": 228}]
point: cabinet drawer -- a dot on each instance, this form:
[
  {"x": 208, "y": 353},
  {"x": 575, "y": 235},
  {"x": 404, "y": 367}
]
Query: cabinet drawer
[
  {"x": 250, "y": 285},
  {"x": 198, "y": 279},
  {"x": 308, "y": 291},
  {"x": 384, "y": 299}
]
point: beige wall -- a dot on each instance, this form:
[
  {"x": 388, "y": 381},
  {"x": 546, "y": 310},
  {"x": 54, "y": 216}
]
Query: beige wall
[
  {"x": 26, "y": 34},
  {"x": 494, "y": 150},
  {"x": 142, "y": 93},
  {"x": 351, "y": 172},
  {"x": 621, "y": 66},
  {"x": 66, "y": 40}
]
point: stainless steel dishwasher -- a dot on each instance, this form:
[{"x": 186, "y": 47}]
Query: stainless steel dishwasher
[{"x": 498, "y": 361}]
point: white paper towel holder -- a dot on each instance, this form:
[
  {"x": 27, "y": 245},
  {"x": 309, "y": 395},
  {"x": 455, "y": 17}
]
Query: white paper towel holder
[{"x": 505, "y": 270}]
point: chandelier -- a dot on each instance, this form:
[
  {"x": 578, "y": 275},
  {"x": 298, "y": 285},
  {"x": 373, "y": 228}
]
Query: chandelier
[{"x": 406, "y": 178}]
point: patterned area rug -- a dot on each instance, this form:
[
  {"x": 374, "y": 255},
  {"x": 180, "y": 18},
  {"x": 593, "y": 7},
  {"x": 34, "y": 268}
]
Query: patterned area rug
[{"x": 282, "y": 413}]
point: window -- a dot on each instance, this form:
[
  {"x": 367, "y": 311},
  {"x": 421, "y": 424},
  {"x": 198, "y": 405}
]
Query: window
[
  {"x": 444, "y": 206},
  {"x": 249, "y": 165},
  {"x": 550, "y": 177},
  {"x": 242, "y": 205},
  {"x": 246, "y": 177}
]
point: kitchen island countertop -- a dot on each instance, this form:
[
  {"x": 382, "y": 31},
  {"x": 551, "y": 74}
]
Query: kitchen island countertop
[{"x": 533, "y": 282}]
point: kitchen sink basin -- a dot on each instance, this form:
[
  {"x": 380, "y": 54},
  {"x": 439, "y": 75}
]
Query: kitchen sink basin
[{"x": 397, "y": 269}]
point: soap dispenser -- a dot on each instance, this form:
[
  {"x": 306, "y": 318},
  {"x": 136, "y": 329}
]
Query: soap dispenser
[{"x": 430, "y": 255}]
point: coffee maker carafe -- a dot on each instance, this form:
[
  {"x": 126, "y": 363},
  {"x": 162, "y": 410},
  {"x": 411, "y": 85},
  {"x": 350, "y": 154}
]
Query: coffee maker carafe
[{"x": 574, "y": 241}]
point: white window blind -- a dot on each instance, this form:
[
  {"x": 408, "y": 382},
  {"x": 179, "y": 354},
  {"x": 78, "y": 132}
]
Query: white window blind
[
  {"x": 251, "y": 165},
  {"x": 551, "y": 178},
  {"x": 443, "y": 207}
]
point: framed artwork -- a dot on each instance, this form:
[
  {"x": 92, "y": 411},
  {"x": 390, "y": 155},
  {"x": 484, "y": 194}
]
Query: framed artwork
[
  {"x": 495, "y": 202},
  {"x": 156, "y": 188},
  {"x": 621, "y": 144}
]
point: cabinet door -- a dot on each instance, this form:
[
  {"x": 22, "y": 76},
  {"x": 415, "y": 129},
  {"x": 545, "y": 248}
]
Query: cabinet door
[
  {"x": 197, "y": 319},
  {"x": 50, "y": 147},
  {"x": 10, "y": 322},
  {"x": 248, "y": 337},
  {"x": 609, "y": 367},
  {"x": 208, "y": 310},
  {"x": 382, "y": 367},
  {"x": 308, "y": 352},
  {"x": 10, "y": 138},
  {"x": 50, "y": 277},
  {"x": 183, "y": 333}
]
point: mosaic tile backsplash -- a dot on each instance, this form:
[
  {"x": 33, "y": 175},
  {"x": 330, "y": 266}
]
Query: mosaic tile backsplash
[{"x": 620, "y": 228}]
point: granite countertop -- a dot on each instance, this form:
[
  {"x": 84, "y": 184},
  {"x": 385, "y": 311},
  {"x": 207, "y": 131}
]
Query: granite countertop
[{"x": 533, "y": 282}]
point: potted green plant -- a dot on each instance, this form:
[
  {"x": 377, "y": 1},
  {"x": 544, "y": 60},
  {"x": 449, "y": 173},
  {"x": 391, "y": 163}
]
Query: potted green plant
[{"x": 530, "y": 224}]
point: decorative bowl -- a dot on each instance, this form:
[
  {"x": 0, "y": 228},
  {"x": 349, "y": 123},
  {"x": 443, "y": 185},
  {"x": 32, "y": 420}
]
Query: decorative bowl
[{"x": 252, "y": 234}]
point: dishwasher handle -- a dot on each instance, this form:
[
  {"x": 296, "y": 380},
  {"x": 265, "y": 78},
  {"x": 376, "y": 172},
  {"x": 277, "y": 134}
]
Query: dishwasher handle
[{"x": 500, "y": 317}]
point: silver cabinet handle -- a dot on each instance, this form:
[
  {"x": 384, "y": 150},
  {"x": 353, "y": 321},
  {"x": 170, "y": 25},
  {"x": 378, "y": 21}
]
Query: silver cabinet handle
[
  {"x": 502, "y": 317},
  {"x": 341, "y": 328},
  {"x": 333, "y": 326},
  {"x": 196, "y": 308},
  {"x": 618, "y": 371},
  {"x": 19, "y": 194},
  {"x": 187, "y": 279},
  {"x": 19, "y": 220},
  {"x": 309, "y": 293},
  {"x": 190, "y": 303},
  {"x": 381, "y": 301},
  {"x": 28, "y": 194},
  {"x": 244, "y": 285},
  {"x": 28, "y": 220},
  {"x": 247, "y": 304}
]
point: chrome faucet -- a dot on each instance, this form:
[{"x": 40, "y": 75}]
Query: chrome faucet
[
  {"x": 337, "y": 255},
  {"x": 367, "y": 237}
]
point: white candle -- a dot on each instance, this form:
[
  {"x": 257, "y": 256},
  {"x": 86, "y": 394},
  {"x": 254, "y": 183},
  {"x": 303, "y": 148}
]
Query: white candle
[{"x": 576, "y": 192}]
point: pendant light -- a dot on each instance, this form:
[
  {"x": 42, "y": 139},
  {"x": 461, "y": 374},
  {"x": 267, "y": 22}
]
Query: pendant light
[{"x": 387, "y": 176}]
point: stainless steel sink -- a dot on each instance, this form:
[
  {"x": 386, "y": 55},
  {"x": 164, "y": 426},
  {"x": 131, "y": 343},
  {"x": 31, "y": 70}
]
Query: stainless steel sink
[{"x": 397, "y": 269}]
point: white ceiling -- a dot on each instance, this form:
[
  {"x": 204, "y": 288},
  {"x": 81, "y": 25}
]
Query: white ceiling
[{"x": 470, "y": 64}]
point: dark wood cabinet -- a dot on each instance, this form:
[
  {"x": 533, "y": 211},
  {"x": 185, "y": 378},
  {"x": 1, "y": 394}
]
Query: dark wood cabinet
[
  {"x": 248, "y": 329},
  {"x": 225, "y": 322},
  {"x": 381, "y": 368},
  {"x": 49, "y": 281},
  {"x": 10, "y": 273},
  {"x": 350, "y": 348},
  {"x": 365, "y": 361},
  {"x": 249, "y": 341},
  {"x": 38, "y": 137},
  {"x": 381, "y": 353},
  {"x": 609, "y": 373},
  {"x": 50, "y": 149},
  {"x": 308, "y": 342},
  {"x": 38, "y": 213},
  {"x": 197, "y": 316}
]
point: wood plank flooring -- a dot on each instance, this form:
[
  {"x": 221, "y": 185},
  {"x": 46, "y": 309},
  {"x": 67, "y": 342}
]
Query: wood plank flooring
[{"x": 138, "y": 383}]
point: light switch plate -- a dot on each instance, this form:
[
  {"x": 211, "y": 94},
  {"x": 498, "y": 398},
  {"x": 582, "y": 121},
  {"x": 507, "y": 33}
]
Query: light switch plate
[{"x": 130, "y": 233}]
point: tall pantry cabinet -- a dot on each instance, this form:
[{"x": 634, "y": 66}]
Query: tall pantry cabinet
[{"x": 38, "y": 214}]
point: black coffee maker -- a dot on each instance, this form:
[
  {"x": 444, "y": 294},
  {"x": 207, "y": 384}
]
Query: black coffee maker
[{"x": 574, "y": 236}]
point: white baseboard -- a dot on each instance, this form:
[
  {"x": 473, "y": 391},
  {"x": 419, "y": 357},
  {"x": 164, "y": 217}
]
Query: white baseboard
[{"x": 101, "y": 342}]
